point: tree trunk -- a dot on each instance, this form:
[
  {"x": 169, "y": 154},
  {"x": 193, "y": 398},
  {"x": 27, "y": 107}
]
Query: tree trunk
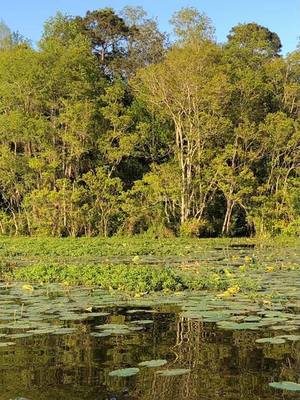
[{"x": 227, "y": 218}]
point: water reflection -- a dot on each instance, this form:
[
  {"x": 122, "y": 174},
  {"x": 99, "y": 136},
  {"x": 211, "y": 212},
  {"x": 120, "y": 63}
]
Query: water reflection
[{"x": 224, "y": 364}]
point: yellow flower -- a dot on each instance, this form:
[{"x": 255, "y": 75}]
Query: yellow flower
[
  {"x": 27, "y": 287},
  {"x": 231, "y": 291},
  {"x": 227, "y": 272}
]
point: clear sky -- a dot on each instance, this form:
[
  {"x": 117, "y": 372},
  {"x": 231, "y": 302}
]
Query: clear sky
[{"x": 281, "y": 16}]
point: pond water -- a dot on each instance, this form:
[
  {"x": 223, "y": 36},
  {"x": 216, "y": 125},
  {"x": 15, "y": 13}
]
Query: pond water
[{"x": 58, "y": 344}]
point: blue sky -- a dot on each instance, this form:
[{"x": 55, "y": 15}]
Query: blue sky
[{"x": 281, "y": 16}]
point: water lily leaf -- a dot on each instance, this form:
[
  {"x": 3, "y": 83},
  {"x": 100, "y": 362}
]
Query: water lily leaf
[
  {"x": 136, "y": 328},
  {"x": 19, "y": 335},
  {"x": 112, "y": 326},
  {"x": 41, "y": 331},
  {"x": 153, "y": 363},
  {"x": 124, "y": 372},
  {"x": 173, "y": 372},
  {"x": 292, "y": 338},
  {"x": 100, "y": 334},
  {"x": 286, "y": 385},
  {"x": 21, "y": 398},
  {"x": 6, "y": 344},
  {"x": 63, "y": 331},
  {"x": 136, "y": 311},
  {"x": 284, "y": 328},
  {"x": 142, "y": 322},
  {"x": 118, "y": 331},
  {"x": 8, "y": 318},
  {"x": 73, "y": 317},
  {"x": 272, "y": 340},
  {"x": 95, "y": 314},
  {"x": 252, "y": 318},
  {"x": 237, "y": 326}
]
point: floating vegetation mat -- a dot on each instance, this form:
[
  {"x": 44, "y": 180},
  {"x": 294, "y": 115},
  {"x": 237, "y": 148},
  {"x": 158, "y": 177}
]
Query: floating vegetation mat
[{"x": 88, "y": 343}]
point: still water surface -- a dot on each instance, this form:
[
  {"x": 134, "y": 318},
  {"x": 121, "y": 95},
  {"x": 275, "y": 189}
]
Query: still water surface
[{"x": 49, "y": 362}]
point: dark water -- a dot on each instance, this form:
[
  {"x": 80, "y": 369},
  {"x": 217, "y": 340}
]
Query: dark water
[{"x": 223, "y": 364}]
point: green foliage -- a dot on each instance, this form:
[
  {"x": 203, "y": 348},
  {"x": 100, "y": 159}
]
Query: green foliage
[
  {"x": 105, "y": 129},
  {"x": 254, "y": 38},
  {"x": 131, "y": 278},
  {"x": 191, "y": 228},
  {"x": 190, "y": 25},
  {"x": 142, "y": 265},
  {"x": 119, "y": 277},
  {"x": 5, "y": 36}
]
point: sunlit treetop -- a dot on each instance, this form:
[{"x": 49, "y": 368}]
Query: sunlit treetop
[
  {"x": 255, "y": 39},
  {"x": 190, "y": 25}
]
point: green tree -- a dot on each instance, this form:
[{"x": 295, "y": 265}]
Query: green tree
[
  {"x": 147, "y": 45},
  {"x": 234, "y": 169},
  {"x": 189, "y": 25},
  {"x": 5, "y": 36},
  {"x": 102, "y": 202},
  {"x": 108, "y": 35},
  {"x": 274, "y": 209},
  {"x": 190, "y": 88},
  {"x": 255, "y": 39}
]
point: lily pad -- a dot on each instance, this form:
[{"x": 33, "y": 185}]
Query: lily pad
[
  {"x": 286, "y": 385},
  {"x": 95, "y": 314},
  {"x": 41, "y": 331},
  {"x": 252, "y": 318},
  {"x": 173, "y": 372},
  {"x": 272, "y": 340},
  {"x": 19, "y": 335},
  {"x": 136, "y": 311},
  {"x": 73, "y": 317},
  {"x": 238, "y": 326},
  {"x": 136, "y": 328},
  {"x": 143, "y": 322},
  {"x": 284, "y": 328},
  {"x": 124, "y": 372},
  {"x": 64, "y": 331},
  {"x": 118, "y": 331},
  {"x": 7, "y": 344},
  {"x": 100, "y": 334},
  {"x": 153, "y": 363},
  {"x": 112, "y": 326},
  {"x": 292, "y": 338}
]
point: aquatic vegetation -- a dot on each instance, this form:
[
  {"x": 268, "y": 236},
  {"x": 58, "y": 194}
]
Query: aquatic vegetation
[
  {"x": 153, "y": 363},
  {"x": 188, "y": 333},
  {"x": 7, "y": 344},
  {"x": 192, "y": 314},
  {"x": 272, "y": 340},
  {"x": 291, "y": 386},
  {"x": 139, "y": 279},
  {"x": 101, "y": 334},
  {"x": 292, "y": 338},
  {"x": 119, "y": 277},
  {"x": 125, "y": 372},
  {"x": 143, "y": 322},
  {"x": 173, "y": 372},
  {"x": 24, "y": 250}
]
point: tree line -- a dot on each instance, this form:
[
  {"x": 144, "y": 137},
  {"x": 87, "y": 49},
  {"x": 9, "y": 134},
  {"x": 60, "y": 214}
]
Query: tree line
[{"x": 111, "y": 127}]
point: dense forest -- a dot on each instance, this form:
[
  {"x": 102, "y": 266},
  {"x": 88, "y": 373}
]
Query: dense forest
[{"x": 111, "y": 127}]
